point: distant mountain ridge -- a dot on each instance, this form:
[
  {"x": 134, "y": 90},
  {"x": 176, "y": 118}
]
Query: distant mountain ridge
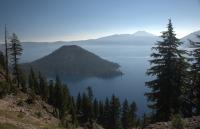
[
  {"x": 192, "y": 37},
  {"x": 74, "y": 61},
  {"x": 35, "y": 50}
]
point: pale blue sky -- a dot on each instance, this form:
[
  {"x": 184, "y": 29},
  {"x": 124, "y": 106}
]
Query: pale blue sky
[{"x": 53, "y": 20}]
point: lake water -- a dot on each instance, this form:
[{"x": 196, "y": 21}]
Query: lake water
[{"x": 133, "y": 61}]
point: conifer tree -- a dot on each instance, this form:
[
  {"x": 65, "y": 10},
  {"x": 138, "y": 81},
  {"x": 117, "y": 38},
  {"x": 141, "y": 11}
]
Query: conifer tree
[
  {"x": 51, "y": 99},
  {"x": 133, "y": 115},
  {"x": 169, "y": 68},
  {"x": 15, "y": 51},
  {"x": 64, "y": 105},
  {"x": 43, "y": 86},
  {"x": 6, "y": 55},
  {"x": 96, "y": 109},
  {"x": 107, "y": 114},
  {"x": 115, "y": 110},
  {"x": 72, "y": 111},
  {"x": 22, "y": 81},
  {"x": 195, "y": 72},
  {"x": 101, "y": 113},
  {"x": 33, "y": 82},
  {"x": 126, "y": 118}
]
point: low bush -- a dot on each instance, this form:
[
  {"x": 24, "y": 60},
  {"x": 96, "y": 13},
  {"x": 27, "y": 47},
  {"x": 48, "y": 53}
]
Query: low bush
[{"x": 178, "y": 122}]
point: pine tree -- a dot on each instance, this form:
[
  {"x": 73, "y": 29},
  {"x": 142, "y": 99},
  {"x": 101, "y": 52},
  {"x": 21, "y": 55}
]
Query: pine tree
[
  {"x": 2, "y": 63},
  {"x": 57, "y": 93},
  {"x": 115, "y": 110},
  {"x": 195, "y": 72},
  {"x": 43, "y": 86},
  {"x": 6, "y": 55},
  {"x": 126, "y": 119},
  {"x": 73, "y": 112},
  {"x": 96, "y": 109},
  {"x": 85, "y": 108},
  {"x": 64, "y": 101},
  {"x": 22, "y": 81},
  {"x": 90, "y": 104},
  {"x": 33, "y": 82},
  {"x": 51, "y": 99},
  {"x": 78, "y": 104},
  {"x": 101, "y": 113},
  {"x": 15, "y": 52},
  {"x": 169, "y": 68},
  {"x": 107, "y": 114},
  {"x": 133, "y": 115}
]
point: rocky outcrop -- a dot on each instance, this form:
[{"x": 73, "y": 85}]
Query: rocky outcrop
[{"x": 191, "y": 123}]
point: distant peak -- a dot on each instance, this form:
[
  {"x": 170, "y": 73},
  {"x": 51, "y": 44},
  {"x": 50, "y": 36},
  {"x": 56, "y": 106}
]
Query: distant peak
[
  {"x": 142, "y": 33},
  {"x": 70, "y": 46}
]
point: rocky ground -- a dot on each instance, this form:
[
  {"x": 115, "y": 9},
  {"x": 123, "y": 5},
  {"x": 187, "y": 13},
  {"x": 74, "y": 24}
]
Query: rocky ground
[
  {"x": 14, "y": 111},
  {"x": 191, "y": 123}
]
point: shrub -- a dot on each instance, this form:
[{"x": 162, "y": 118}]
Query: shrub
[
  {"x": 38, "y": 114},
  {"x": 31, "y": 98},
  {"x": 177, "y": 122},
  {"x": 20, "y": 115},
  {"x": 4, "y": 88}
]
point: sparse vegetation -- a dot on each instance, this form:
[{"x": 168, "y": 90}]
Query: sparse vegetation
[
  {"x": 177, "y": 122},
  {"x": 8, "y": 126},
  {"x": 38, "y": 114}
]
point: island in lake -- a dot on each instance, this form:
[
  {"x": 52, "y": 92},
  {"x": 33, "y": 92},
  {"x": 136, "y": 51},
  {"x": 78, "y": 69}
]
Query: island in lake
[{"x": 74, "y": 62}]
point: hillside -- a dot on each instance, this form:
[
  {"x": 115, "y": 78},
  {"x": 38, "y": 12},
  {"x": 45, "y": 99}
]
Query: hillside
[
  {"x": 190, "y": 123},
  {"x": 191, "y": 36},
  {"x": 74, "y": 61},
  {"x": 16, "y": 113}
]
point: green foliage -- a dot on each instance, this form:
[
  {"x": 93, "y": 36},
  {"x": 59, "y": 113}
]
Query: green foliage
[
  {"x": 38, "y": 114},
  {"x": 114, "y": 111},
  {"x": 193, "y": 90},
  {"x": 4, "y": 88},
  {"x": 43, "y": 86},
  {"x": 15, "y": 51},
  {"x": 169, "y": 68},
  {"x": 177, "y": 122},
  {"x": 31, "y": 98},
  {"x": 33, "y": 82}
]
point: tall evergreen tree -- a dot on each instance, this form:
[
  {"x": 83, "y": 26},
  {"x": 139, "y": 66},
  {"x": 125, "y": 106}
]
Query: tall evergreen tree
[
  {"x": 96, "y": 109},
  {"x": 43, "y": 86},
  {"x": 15, "y": 52},
  {"x": 33, "y": 82},
  {"x": 169, "y": 68},
  {"x": 6, "y": 55},
  {"x": 115, "y": 110},
  {"x": 51, "y": 99},
  {"x": 101, "y": 113},
  {"x": 106, "y": 114},
  {"x": 195, "y": 72},
  {"x": 126, "y": 119},
  {"x": 79, "y": 105},
  {"x": 133, "y": 115}
]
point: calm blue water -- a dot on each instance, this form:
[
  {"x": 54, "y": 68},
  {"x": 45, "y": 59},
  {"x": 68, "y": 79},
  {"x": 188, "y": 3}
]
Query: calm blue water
[
  {"x": 134, "y": 63},
  {"x": 132, "y": 59}
]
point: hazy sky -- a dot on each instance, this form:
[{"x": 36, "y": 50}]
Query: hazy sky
[{"x": 52, "y": 20}]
